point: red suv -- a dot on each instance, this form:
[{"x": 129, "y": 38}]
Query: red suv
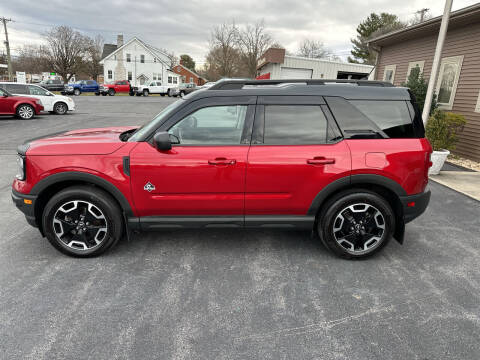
[
  {"x": 347, "y": 160},
  {"x": 23, "y": 107}
]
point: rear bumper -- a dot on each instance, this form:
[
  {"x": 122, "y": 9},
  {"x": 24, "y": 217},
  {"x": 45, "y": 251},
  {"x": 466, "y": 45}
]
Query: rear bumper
[
  {"x": 415, "y": 205},
  {"x": 22, "y": 202}
]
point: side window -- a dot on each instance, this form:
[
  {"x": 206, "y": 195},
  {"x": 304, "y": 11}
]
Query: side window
[
  {"x": 294, "y": 125},
  {"x": 175, "y": 79},
  {"x": 216, "y": 125},
  {"x": 169, "y": 79},
  {"x": 110, "y": 74},
  {"x": 90, "y": 82},
  {"x": 142, "y": 58},
  {"x": 17, "y": 89},
  {"x": 392, "y": 117},
  {"x": 37, "y": 90}
]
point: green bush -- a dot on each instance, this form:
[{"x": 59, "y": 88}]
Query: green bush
[
  {"x": 418, "y": 86},
  {"x": 442, "y": 129}
]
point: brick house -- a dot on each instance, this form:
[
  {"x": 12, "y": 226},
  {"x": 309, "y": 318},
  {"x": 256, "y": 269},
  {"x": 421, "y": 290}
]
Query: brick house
[
  {"x": 458, "y": 84},
  {"x": 187, "y": 75}
]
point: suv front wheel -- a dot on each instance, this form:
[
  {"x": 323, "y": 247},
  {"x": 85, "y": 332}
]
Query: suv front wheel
[
  {"x": 356, "y": 224},
  {"x": 82, "y": 221}
]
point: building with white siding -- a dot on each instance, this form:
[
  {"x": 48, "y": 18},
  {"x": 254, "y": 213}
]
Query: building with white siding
[
  {"x": 137, "y": 62},
  {"x": 274, "y": 64}
]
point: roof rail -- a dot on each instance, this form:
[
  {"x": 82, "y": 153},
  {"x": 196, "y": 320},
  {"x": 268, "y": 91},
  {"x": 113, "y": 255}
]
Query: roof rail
[{"x": 239, "y": 84}]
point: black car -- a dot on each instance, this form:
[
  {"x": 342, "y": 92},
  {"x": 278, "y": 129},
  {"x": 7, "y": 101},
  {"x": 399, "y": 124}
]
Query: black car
[{"x": 52, "y": 85}]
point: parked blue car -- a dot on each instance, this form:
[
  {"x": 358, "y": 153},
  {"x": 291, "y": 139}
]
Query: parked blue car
[{"x": 80, "y": 86}]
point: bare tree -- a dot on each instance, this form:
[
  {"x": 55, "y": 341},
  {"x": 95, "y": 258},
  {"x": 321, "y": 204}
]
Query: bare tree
[
  {"x": 94, "y": 50},
  {"x": 253, "y": 41},
  {"x": 315, "y": 49},
  {"x": 66, "y": 50},
  {"x": 223, "y": 54},
  {"x": 31, "y": 59}
]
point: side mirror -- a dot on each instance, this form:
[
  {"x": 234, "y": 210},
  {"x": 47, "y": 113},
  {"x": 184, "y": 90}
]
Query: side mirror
[{"x": 162, "y": 142}]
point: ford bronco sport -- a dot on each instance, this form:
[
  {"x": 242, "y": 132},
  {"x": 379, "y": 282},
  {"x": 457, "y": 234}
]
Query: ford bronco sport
[{"x": 346, "y": 159}]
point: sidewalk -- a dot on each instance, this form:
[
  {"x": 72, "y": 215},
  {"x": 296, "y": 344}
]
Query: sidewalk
[{"x": 466, "y": 182}]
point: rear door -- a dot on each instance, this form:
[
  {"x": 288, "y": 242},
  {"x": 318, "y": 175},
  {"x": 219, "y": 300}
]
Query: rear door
[
  {"x": 6, "y": 102},
  {"x": 204, "y": 172},
  {"x": 296, "y": 151}
]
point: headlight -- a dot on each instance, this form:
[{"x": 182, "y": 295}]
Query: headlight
[
  {"x": 70, "y": 88},
  {"x": 20, "y": 167}
]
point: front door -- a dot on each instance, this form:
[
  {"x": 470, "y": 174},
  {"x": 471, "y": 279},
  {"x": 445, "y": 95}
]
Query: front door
[
  {"x": 295, "y": 153},
  {"x": 204, "y": 172},
  {"x": 45, "y": 96}
]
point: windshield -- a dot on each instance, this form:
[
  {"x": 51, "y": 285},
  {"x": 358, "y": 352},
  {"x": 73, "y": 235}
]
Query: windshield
[{"x": 156, "y": 121}]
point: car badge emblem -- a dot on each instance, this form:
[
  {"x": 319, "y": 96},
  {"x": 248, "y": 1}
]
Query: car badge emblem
[{"x": 149, "y": 187}]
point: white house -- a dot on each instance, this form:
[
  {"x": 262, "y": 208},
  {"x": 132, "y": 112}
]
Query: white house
[
  {"x": 274, "y": 64},
  {"x": 137, "y": 62}
]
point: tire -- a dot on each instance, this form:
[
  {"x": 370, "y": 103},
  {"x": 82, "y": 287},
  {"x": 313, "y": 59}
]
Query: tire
[
  {"x": 111, "y": 92},
  {"x": 169, "y": 92},
  {"x": 60, "y": 108},
  {"x": 146, "y": 92},
  {"x": 25, "y": 111},
  {"x": 68, "y": 236},
  {"x": 76, "y": 92},
  {"x": 356, "y": 224},
  {"x": 138, "y": 94},
  {"x": 104, "y": 94},
  {"x": 97, "y": 94}
]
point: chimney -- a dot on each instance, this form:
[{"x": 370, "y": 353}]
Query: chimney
[{"x": 119, "y": 41}]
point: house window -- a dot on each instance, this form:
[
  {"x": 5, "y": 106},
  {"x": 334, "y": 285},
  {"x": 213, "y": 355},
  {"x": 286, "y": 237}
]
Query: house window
[
  {"x": 389, "y": 73},
  {"x": 142, "y": 59},
  {"x": 154, "y": 76},
  {"x": 477, "y": 107},
  {"x": 448, "y": 81},
  {"x": 110, "y": 75},
  {"x": 175, "y": 80},
  {"x": 184, "y": 79},
  {"x": 413, "y": 65},
  {"x": 129, "y": 76},
  {"x": 129, "y": 58},
  {"x": 114, "y": 57},
  {"x": 154, "y": 60},
  {"x": 191, "y": 80},
  {"x": 169, "y": 79}
]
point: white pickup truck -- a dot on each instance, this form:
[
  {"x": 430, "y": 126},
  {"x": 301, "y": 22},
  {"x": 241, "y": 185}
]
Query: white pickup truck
[{"x": 156, "y": 87}]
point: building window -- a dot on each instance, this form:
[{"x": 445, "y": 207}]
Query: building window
[
  {"x": 389, "y": 73},
  {"x": 413, "y": 65},
  {"x": 448, "y": 81},
  {"x": 175, "y": 80},
  {"x": 154, "y": 76},
  {"x": 142, "y": 59},
  {"x": 477, "y": 107},
  {"x": 129, "y": 76},
  {"x": 129, "y": 58},
  {"x": 191, "y": 80},
  {"x": 110, "y": 75},
  {"x": 184, "y": 79},
  {"x": 169, "y": 79},
  {"x": 154, "y": 60}
]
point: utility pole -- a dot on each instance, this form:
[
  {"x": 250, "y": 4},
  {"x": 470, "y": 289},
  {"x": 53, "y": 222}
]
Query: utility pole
[
  {"x": 436, "y": 61},
  {"x": 422, "y": 13},
  {"x": 7, "y": 45}
]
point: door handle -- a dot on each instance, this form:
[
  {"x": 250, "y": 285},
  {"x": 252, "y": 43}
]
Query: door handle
[
  {"x": 320, "y": 160},
  {"x": 222, "y": 161}
]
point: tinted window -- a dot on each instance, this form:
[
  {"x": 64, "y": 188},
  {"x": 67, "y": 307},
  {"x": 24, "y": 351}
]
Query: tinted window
[
  {"x": 216, "y": 125},
  {"x": 392, "y": 117},
  {"x": 90, "y": 82},
  {"x": 17, "y": 89},
  {"x": 37, "y": 90},
  {"x": 294, "y": 125}
]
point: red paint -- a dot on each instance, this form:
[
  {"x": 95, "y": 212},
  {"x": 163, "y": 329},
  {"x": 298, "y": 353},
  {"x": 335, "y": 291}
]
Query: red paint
[
  {"x": 119, "y": 86},
  {"x": 9, "y": 104},
  {"x": 263, "y": 77},
  {"x": 224, "y": 180}
]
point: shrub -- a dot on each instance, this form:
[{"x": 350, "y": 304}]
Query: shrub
[
  {"x": 442, "y": 129},
  {"x": 418, "y": 86}
]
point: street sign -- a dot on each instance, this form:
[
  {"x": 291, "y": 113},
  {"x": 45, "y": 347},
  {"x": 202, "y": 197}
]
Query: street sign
[
  {"x": 21, "y": 77},
  {"x": 3, "y": 66}
]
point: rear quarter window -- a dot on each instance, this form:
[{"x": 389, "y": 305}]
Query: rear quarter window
[
  {"x": 392, "y": 117},
  {"x": 17, "y": 89}
]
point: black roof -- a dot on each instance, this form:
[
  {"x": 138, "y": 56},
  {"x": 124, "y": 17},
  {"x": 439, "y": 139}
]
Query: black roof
[
  {"x": 348, "y": 89},
  {"x": 108, "y": 49}
]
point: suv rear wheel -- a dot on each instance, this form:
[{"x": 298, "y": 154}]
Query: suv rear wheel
[
  {"x": 82, "y": 221},
  {"x": 356, "y": 224},
  {"x": 25, "y": 112}
]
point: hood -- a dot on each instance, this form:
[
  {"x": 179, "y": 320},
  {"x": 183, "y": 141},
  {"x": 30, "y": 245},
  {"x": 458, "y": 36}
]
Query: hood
[{"x": 97, "y": 141}]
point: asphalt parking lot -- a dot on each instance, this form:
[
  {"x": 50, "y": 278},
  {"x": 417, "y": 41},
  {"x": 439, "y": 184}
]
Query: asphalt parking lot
[{"x": 229, "y": 294}]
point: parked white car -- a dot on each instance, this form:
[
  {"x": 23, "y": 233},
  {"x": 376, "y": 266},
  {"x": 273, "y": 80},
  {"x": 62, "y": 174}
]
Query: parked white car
[
  {"x": 156, "y": 87},
  {"x": 57, "y": 104}
]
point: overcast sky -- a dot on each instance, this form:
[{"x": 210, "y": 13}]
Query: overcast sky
[{"x": 184, "y": 26}]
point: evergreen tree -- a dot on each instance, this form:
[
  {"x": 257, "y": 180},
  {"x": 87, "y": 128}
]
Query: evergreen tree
[{"x": 418, "y": 86}]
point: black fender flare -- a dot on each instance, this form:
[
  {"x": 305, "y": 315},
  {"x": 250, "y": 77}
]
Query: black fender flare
[{"x": 84, "y": 177}]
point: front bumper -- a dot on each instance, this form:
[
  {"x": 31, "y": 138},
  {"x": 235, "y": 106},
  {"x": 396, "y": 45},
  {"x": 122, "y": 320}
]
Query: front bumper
[
  {"x": 415, "y": 205},
  {"x": 26, "y": 204}
]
